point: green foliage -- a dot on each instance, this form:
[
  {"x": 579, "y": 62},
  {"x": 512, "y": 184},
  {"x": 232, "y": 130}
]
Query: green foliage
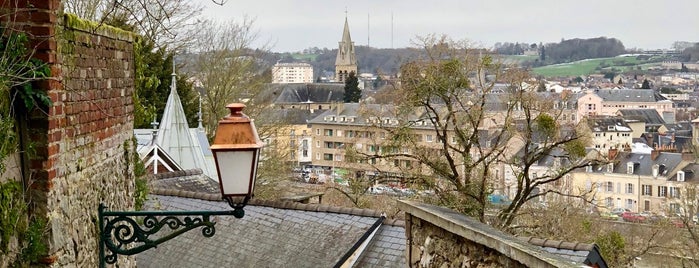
[
  {"x": 20, "y": 72},
  {"x": 12, "y": 206},
  {"x": 611, "y": 247},
  {"x": 575, "y": 148},
  {"x": 153, "y": 81},
  {"x": 546, "y": 125},
  {"x": 352, "y": 91},
  {"x": 14, "y": 222}
]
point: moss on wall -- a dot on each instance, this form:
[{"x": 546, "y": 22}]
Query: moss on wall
[{"x": 72, "y": 21}]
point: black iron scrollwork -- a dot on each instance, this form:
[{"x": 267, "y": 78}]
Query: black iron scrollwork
[{"x": 123, "y": 234}]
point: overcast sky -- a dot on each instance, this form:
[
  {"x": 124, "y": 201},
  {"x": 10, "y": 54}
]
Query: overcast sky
[{"x": 295, "y": 25}]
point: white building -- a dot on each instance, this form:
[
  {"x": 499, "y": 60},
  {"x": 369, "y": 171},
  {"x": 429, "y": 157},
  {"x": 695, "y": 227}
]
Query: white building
[{"x": 285, "y": 73}]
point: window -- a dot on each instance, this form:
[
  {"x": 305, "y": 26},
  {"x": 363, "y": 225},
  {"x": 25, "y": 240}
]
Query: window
[
  {"x": 629, "y": 188},
  {"x": 453, "y": 139},
  {"x": 382, "y": 135},
  {"x": 329, "y": 145},
  {"x": 318, "y": 144},
  {"x": 610, "y": 167},
  {"x": 629, "y": 168},
  {"x": 647, "y": 190},
  {"x": 609, "y": 202},
  {"x": 317, "y": 131},
  {"x": 328, "y": 132},
  {"x": 327, "y": 157},
  {"x": 674, "y": 192},
  {"x": 646, "y": 205},
  {"x": 680, "y": 175},
  {"x": 588, "y": 168},
  {"x": 396, "y": 163},
  {"x": 317, "y": 156},
  {"x": 629, "y": 203},
  {"x": 339, "y": 133},
  {"x": 591, "y": 106},
  {"x": 609, "y": 187},
  {"x": 662, "y": 191},
  {"x": 428, "y": 138}
]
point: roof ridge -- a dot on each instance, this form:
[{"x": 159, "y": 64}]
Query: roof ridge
[
  {"x": 178, "y": 173},
  {"x": 559, "y": 244},
  {"x": 363, "y": 212}
]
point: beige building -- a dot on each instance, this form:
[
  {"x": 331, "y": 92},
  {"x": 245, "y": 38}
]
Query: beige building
[
  {"x": 609, "y": 101},
  {"x": 285, "y": 73},
  {"x": 609, "y": 132},
  {"x": 639, "y": 182}
]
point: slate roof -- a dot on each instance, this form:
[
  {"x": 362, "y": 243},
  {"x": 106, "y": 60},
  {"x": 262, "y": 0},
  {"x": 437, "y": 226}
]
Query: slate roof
[
  {"x": 273, "y": 234},
  {"x": 303, "y": 93},
  {"x": 192, "y": 180},
  {"x": 629, "y": 95},
  {"x": 578, "y": 252},
  {"x": 289, "y": 116},
  {"x": 643, "y": 164},
  {"x": 607, "y": 124},
  {"x": 649, "y": 116}
]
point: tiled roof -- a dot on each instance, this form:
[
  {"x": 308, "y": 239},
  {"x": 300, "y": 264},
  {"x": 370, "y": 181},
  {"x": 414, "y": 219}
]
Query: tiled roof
[
  {"x": 192, "y": 180},
  {"x": 272, "y": 233},
  {"x": 629, "y": 95},
  {"x": 577, "y": 252},
  {"x": 303, "y": 93},
  {"x": 649, "y": 116}
]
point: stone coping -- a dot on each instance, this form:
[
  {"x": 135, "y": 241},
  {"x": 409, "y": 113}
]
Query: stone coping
[
  {"x": 473, "y": 230},
  {"x": 282, "y": 205},
  {"x": 72, "y": 21}
]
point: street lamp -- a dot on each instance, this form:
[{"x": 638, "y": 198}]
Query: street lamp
[{"x": 236, "y": 150}]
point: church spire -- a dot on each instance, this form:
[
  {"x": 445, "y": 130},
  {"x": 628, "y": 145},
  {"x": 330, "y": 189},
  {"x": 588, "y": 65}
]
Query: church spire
[{"x": 346, "y": 60}]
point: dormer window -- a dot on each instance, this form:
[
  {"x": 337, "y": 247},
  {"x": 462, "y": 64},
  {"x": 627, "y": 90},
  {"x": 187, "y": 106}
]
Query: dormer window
[
  {"x": 629, "y": 168},
  {"x": 588, "y": 168},
  {"x": 610, "y": 167},
  {"x": 610, "y": 128},
  {"x": 680, "y": 175}
]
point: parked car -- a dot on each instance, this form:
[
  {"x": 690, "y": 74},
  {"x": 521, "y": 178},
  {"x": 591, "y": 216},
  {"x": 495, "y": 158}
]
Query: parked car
[
  {"x": 633, "y": 217},
  {"x": 609, "y": 216},
  {"x": 619, "y": 211}
]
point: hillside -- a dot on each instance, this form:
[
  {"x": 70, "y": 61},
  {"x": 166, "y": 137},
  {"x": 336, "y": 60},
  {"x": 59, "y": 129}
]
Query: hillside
[{"x": 599, "y": 65}]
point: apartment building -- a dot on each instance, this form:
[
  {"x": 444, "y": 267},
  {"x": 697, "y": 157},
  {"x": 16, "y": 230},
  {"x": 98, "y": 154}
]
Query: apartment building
[
  {"x": 609, "y": 101},
  {"x": 286, "y": 73},
  {"x": 609, "y": 132},
  {"x": 655, "y": 182}
]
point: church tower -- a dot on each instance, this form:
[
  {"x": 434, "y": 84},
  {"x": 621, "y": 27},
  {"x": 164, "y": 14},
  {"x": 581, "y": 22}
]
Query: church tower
[{"x": 346, "y": 61}]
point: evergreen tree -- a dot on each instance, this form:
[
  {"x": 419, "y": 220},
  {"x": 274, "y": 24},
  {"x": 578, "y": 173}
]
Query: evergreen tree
[
  {"x": 646, "y": 84},
  {"x": 352, "y": 91}
]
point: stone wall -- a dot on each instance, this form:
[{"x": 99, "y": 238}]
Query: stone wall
[
  {"x": 432, "y": 246},
  {"x": 81, "y": 144},
  {"x": 439, "y": 237}
]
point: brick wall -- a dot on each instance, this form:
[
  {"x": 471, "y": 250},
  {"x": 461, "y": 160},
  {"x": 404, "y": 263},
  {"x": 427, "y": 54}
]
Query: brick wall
[{"x": 82, "y": 142}]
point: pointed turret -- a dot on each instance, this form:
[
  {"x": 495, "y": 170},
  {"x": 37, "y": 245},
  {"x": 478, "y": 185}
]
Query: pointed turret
[
  {"x": 346, "y": 61},
  {"x": 175, "y": 138}
]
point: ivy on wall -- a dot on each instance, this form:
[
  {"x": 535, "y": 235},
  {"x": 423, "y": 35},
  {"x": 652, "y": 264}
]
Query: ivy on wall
[{"x": 21, "y": 235}]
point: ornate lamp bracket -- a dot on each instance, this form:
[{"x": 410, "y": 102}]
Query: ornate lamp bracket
[{"x": 132, "y": 232}]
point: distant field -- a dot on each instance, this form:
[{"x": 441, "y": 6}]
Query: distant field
[{"x": 589, "y": 66}]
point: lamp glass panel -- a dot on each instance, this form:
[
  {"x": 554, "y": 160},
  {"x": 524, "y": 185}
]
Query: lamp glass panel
[{"x": 235, "y": 169}]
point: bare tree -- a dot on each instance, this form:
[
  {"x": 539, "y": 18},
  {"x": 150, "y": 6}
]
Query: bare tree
[
  {"x": 467, "y": 128},
  {"x": 228, "y": 68},
  {"x": 170, "y": 23}
]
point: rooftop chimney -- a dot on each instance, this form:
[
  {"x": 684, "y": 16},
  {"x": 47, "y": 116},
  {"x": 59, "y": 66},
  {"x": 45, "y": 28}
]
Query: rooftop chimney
[{"x": 654, "y": 154}]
